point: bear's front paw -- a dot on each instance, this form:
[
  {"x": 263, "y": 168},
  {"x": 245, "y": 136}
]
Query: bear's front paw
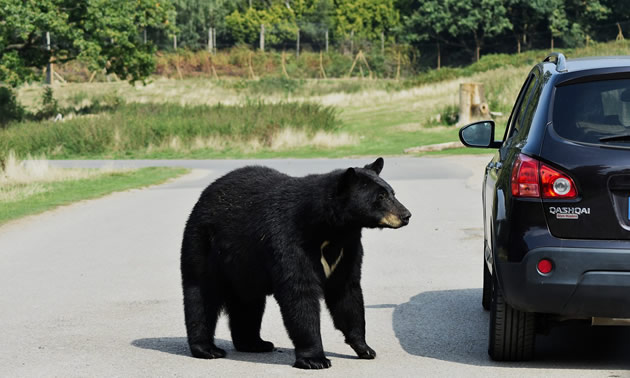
[
  {"x": 258, "y": 346},
  {"x": 206, "y": 351},
  {"x": 364, "y": 352},
  {"x": 312, "y": 363}
]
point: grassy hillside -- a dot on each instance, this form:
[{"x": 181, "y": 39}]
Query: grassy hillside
[{"x": 371, "y": 116}]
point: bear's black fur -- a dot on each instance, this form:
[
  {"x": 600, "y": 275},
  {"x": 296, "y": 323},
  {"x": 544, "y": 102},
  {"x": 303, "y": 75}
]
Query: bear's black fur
[{"x": 256, "y": 232}]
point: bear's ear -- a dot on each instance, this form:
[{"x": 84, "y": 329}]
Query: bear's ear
[
  {"x": 347, "y": 179},
  {"x": 377, "y": 166}
]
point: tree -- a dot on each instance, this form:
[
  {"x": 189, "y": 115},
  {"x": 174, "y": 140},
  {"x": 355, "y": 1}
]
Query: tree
[
  {"x": 195, "y": 17},
  {"x": 367, "y": 19},
  {"x": 106, "y": 34},
  {"x": 457, "y": 22},
  {"x": 526, "y": 17}
]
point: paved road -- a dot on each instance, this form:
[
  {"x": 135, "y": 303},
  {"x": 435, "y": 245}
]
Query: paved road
[{"x": 93, "y": 289}]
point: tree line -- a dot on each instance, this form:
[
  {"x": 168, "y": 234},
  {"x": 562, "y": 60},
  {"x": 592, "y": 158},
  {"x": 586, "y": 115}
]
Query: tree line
[
  {"x": 121, "y": 36},
  {"x": 459, "y": 30}
]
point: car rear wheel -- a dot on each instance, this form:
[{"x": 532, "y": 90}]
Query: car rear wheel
[
  {"x": 486, "y": 298},
  {"x": 512, "y": 332}
]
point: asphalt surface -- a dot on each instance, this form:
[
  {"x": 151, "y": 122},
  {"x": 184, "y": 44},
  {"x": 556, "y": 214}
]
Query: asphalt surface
[{"x": 93, "y": 289}]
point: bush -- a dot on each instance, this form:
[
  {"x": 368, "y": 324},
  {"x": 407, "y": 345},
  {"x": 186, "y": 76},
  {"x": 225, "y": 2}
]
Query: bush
[{"x": 10, "y": 109}]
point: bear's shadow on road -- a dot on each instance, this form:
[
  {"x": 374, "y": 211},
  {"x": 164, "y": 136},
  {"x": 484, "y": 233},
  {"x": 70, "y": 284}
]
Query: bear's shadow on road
[
  {"x": 179, "y": 346},
  {"x": 450, "y": 325}
]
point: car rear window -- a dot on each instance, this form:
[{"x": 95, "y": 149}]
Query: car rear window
[{"x": 594, "y": 112}]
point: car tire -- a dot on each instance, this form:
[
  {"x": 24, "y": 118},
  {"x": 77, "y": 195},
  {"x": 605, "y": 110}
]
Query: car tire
[
  {"x": 512, "y": 332},
  {"x": 486, "y": 298}
]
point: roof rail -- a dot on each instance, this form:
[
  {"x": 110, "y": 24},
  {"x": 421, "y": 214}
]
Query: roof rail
[{"x": 560, "y": 61}]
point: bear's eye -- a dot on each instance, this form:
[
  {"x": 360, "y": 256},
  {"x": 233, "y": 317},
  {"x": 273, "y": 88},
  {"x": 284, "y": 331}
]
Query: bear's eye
[{"x": 382, "y": 196}]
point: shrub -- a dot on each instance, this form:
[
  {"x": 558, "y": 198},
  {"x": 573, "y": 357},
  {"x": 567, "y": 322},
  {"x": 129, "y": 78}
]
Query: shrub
[{"x": 10, "y": 109}]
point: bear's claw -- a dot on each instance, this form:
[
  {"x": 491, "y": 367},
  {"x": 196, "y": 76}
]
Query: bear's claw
[
  {"x": 207, "y": 351},
  {"x": 312, "y": 363},
  {"x": 365, "y": 352}
]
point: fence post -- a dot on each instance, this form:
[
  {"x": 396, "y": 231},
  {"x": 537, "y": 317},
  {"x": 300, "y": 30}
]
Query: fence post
[
  {"x": 297, "y": 49},
  {"x": 50, "y": 78},
  {"x": 214, "y": 40},
  {"x": 174, "y": 42},
  {"x": 352, "y": 42},
  {"x": 382, "y": 43},
  {"x": 262, "y": 37},
  {"x": 210, "y": 41},
  {"x": 326, "y": 41}
]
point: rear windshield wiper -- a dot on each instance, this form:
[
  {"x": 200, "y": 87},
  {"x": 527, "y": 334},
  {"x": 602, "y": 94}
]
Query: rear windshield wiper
[{"x": 616, "y": 138}]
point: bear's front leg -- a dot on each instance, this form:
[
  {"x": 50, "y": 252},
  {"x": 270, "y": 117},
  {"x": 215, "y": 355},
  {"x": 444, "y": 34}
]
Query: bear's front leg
[
  {"x": 299, "y": 304},
  {"x": 345, "y": 303}
]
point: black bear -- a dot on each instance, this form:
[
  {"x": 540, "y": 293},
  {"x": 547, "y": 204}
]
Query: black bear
[{"x": 256, "y": 232}]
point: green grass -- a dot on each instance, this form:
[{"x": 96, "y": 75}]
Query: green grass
[
  {"x": 62, "y": 193},
  {"x": 135, "y": 129},
  {"x": 383, "y": 116}
]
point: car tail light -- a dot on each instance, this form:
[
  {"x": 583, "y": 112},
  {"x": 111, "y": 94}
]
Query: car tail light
[
  {"x": 556, "y": 184},
  {"x": 531, "y": 178},
  {"x": 525, "y": 177},
  {"x": 545, "y": 266}
]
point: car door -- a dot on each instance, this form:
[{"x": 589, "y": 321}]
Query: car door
[{"x": 495, "y": 186}]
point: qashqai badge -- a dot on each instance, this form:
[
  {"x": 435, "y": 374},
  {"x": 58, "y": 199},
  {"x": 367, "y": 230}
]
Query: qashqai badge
[{"x": 569, "y": 212}]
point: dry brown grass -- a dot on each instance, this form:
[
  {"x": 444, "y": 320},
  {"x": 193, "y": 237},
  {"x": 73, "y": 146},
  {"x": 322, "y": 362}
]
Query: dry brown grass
[{"x": 22, "y": 179}]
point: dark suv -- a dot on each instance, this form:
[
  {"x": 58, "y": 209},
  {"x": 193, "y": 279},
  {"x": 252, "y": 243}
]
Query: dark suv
[{"x": 555, "y": 200}]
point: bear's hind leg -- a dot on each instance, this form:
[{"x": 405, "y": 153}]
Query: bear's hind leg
[
  {"x": 201, "y": 312},
  {"x": 202, "y": 294},
  {"x": 245, "y": 319}
]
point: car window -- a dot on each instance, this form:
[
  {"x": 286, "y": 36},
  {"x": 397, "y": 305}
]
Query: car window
[
  {"x": 514, "y": 122},
  {"x": 594, "y": 112},
  {"x": 530, "y": 110},
  {"x": 517, "y": 121}
]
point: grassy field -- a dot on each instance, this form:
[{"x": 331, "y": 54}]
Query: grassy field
[
  {"x": 370, "y": 117},
  {"x": 371, "y": 121},
  {"x": 28, "y": 188}
]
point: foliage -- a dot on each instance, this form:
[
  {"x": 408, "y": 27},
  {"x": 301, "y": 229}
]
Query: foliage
[
  {"x": 10, "y": 109},
  {"x": 367, "y": 18},
  {"x": 103, "y": 33}
]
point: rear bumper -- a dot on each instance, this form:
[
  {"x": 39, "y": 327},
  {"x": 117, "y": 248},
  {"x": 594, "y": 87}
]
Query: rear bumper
[{"x": 585, "y": 282}]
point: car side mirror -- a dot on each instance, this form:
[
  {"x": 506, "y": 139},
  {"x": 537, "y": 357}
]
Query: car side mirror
[{"x": 479, "y": 134}]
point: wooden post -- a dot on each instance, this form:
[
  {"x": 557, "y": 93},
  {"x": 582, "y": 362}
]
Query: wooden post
[
  {"x": 552, "y": 42},
  {"x": 210, "y": 41},
  {"x": 472, "y": 103},
  {"x": 353, "y": 64},
  {"x": 251, "y": 68},
  {"x": 214, "y": 40},
  {"x": 352, "y": 42},
  {"x": 326, "y": 41},
  {"x": 518, "y": 45},
  {"x": 297, "y": 48},
  {"x": 322, "y": 72},
  {"x": 382, "y": 43},
  {"x": 262, "y": 37},
  {"x": 174, "y": 42},
  {"x": 439, "y": 57},
  {"x": 145, "y": 35},
  {"x": 398, "y": 68},
  {"x": 284, "y": 67},
  {"x": 50, "y": 77}
]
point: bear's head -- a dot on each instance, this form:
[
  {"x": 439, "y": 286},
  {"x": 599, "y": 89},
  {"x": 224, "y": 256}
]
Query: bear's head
[{"x": 367, "y": 200}]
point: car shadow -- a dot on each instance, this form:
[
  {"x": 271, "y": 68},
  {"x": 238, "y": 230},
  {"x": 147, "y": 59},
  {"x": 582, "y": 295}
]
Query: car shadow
[
  {"x": 451, "y": 325},
  {"x": 179, "y": 346}
]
